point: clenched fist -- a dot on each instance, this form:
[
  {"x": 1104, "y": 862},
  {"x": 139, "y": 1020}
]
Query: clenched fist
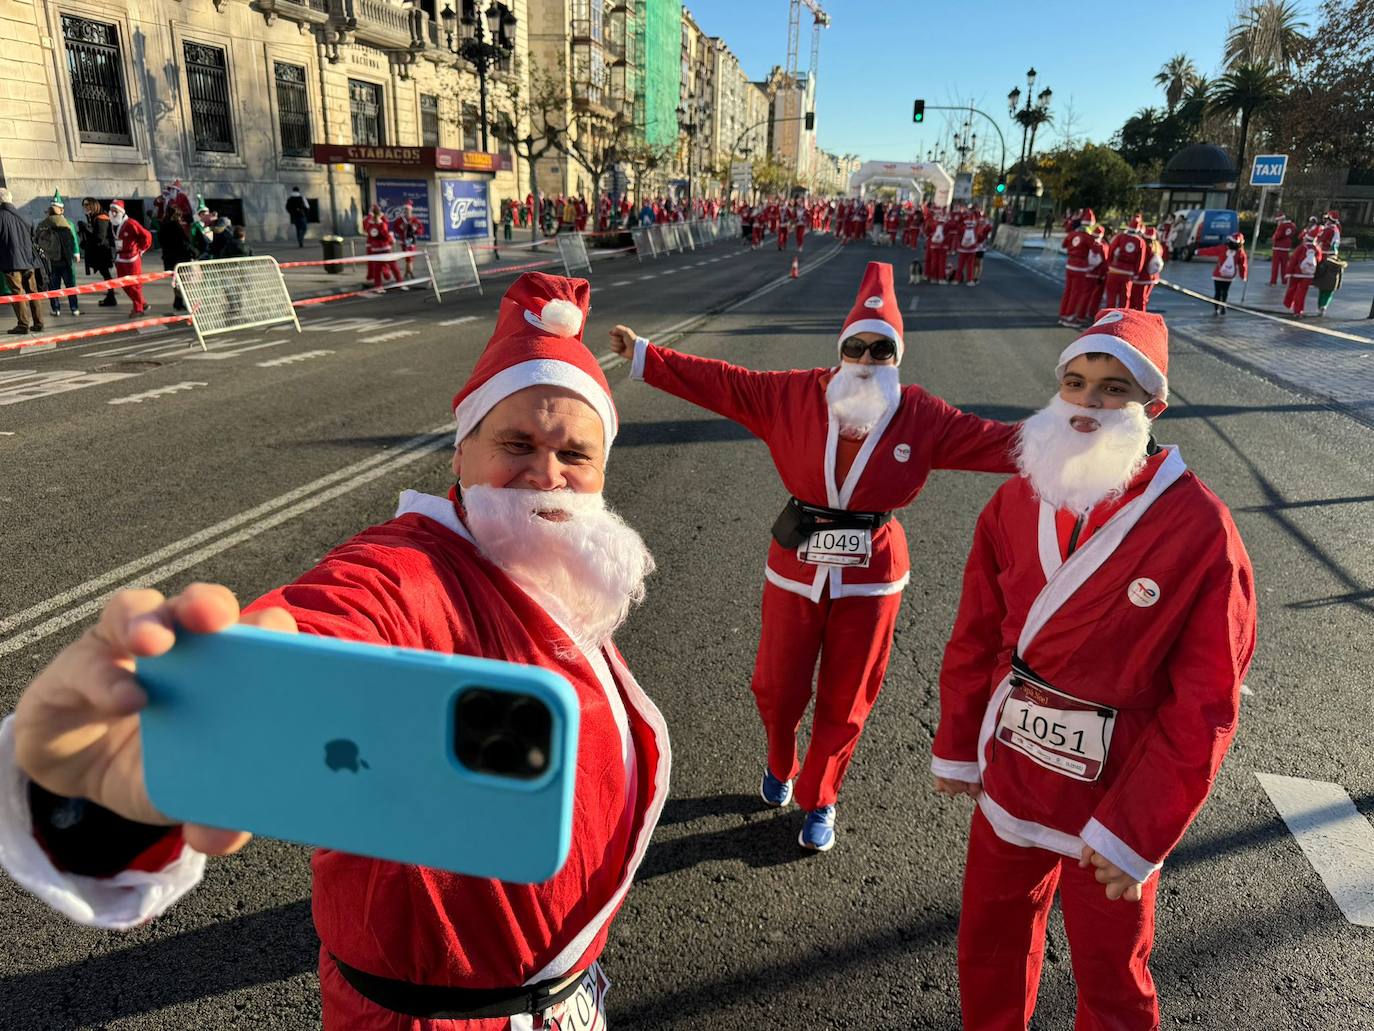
[{"x": 623, "y": 341}]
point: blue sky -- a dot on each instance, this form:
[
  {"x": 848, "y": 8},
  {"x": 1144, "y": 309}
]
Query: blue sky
[{"x": 877, "y": 57}]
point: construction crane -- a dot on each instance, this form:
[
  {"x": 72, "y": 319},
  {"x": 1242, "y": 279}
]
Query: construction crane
[{"x": 819, "y": 20}]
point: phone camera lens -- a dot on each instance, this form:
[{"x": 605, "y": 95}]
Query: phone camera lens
[
  {"x": 502, "y": 754},
  {"x": 529, "y": 721},
  {"x": 479, "y": 711}
]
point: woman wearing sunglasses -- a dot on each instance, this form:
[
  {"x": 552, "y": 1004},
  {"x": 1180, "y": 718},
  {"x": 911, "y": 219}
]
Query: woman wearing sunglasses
[{"x": 852, "y": 445}]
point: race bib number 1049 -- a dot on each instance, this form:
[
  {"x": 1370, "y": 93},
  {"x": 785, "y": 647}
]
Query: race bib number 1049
[{"x": 837, "y": 548}]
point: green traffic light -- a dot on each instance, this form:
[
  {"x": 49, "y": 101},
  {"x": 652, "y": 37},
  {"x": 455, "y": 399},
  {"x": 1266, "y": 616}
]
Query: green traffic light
[{"x": 1001, "y": 187}]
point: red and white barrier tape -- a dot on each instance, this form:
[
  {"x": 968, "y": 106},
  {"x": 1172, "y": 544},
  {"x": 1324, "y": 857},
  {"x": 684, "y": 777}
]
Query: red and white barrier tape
[
  {"x": 85, "y": 288},
  {"x": 96, "y": 331}
]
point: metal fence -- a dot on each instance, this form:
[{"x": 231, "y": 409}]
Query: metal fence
[
  {"x": 644, "y": 242},
  {"x": 234, "y": 293},
  {"x": 573, "y": 250},
  {"x": 453, "y": 267}
]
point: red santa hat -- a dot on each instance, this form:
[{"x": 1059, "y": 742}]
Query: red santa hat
[
  {"x": 537, "y": 342},
  {"x": 1238, "y": 237},
  {"x": 1334, "y": 215},
  {"x": 117, "y": 204},
  {"x": 1137, "y": 221},
  {"x": 1138, "y": 339},
  {"x": 1088, "y": 218},
  {"x": 875, "y": 308}
]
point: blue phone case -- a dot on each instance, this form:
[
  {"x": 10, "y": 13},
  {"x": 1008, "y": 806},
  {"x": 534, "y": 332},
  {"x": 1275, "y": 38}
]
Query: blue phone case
[{"x": 352, "y": 747}]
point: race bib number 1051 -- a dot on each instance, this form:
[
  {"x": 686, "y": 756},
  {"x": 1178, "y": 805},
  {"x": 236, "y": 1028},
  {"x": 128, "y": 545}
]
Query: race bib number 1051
[{"x": 1057, "y": 731}]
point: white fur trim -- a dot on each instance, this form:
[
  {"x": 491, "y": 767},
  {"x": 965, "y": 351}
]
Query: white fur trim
[
  {"x": 431, "y": 506},
  {"x": 872, "y": 326},
  {"x": 539, "y": 372},
  {"x": 1026, "y": 833},
  {"x": 811, "y": 591},
  {"x": 116, "y": 903},
  {"x": 637, "y": 364},
  {"x": 558, "y": 317},
  {"x": 1117, "y": 852},
  {"x": 1144, "y": 370},
  {"x": 953, "y": 770},
  {"x": 840, "y": 589},
  {"x": 1047, "y": 541}
]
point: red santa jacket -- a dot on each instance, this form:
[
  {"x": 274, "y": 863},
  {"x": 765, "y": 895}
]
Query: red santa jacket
[
  {"x": 1096, "y": 258},
  {"x": 1153, "y": 265},
  {"x": 1284, "y": 233},
  {"x": 789, "y": 413},
  {"x": 378, "y": 233},
  {"x": 1077, "y": 244},
  {"x": 1126, "y": 255},
  {"x": 1303, "y": 262},
  {"x": 1329, "y": 238},
  {"x": 968, "y": 236},
  {"x": 131, "y": 242},
  {"x": 1235, "y": 268},
  {"x": 1136, "y": 646}
]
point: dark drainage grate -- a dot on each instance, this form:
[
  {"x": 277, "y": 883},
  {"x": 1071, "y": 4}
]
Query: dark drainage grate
[{"x": 131, "y": 365}]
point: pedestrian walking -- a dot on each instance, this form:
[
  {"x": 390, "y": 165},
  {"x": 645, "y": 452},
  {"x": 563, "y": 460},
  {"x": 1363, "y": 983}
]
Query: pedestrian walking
[
  {"x": 1327, "y": 280},
  {"x": 132, "y": 241},
  {"x": 1077, "y": 245},
  {"x": 299, "y": 213},
  {"x": 521, "y": 562},
  {"x": 1094, "y": 282},
  {"x": 55, "y": 239},
  {"x": 1144, "y": 284},
  {"x": 203, "y": 233},
  {"x": 98, "y": 246},
  {"x": 1125, "y": 259},
  {"x": 174, "y": 241},
  {"x": 851, "y": 444},
  {"x": 1285, "y": 231},
  {"x": 18, "y": 260},
  {"x": 1091, "y": 686},
  {"x": 379, "y": 241},
  {"x": 1231, "y": 265},
  {"x": 1302, "y": 267},
  {"x": 406, "y": 229}
]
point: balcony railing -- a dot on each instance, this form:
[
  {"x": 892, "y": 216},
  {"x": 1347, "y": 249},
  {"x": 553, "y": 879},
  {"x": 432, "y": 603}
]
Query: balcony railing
[{"x": 302, "y": 12}]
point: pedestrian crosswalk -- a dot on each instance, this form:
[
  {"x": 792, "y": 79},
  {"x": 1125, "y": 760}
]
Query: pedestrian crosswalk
[{"x": 17, "y": 385}]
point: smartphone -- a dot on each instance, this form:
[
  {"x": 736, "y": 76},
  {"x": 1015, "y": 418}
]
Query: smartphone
[{"x": 447, "y": 761}]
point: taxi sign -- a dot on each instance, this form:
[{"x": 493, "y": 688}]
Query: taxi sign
[{"x": 1268, "y": 169}]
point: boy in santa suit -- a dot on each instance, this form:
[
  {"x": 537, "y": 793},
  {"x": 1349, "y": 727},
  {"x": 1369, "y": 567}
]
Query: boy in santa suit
[
  {"x": 1231, "y": 265},
  {"x": 1144, "y": 284},
  {"x": 1091, "y": 686},
  {"x": 1302, "y": 266},
  {"x": 1125, "y": 259},
  {"x": 851, "y": 444},
  {"x": 1076, "y": 246},
  {"x": 521, "y": 562},
  {"x": 1285, "y": 232},
  {"x": 132, "y": 241}
]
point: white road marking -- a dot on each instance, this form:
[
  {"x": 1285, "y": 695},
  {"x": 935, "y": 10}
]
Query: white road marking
[
  {"x": 356, "y": 324},
  {"x": 116, "y": 350},
  {"x": 214, "y": 356},
  {"x": 6, "y": 433},
  {"x": 623, "y": 282},
  {"x": 21, "y": 385},
  {"x": 149, "y": 395},
  {"x": 668, "y": 272},
  {"x": 288, "y": 359},
  {"x": 1337, "y": 840},
  {"x": 651, "y": 275},
  {"x": 395, "y": 334},
  {"x": 177, "y": 556},
  {"x": 458, "y": 321},
  {"x": 914, "y": 301}
]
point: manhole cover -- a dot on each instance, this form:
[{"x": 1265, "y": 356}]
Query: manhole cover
[{"x": 131, "y": 365}]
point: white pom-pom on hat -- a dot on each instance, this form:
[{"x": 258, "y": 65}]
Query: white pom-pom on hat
[{"x": 561, "y": 318}]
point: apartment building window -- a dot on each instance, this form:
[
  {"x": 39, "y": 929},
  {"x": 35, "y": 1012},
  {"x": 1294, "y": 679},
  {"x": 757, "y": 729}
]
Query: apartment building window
[
  {"x": 95, "y": 65},
  {"x": 429, "y": 120},
  {"x": 471, "y": 130},
  {"x": 207, "y": 86},
  {"x": 293, "y": 109},
  {"x": 366, "y": 109}
]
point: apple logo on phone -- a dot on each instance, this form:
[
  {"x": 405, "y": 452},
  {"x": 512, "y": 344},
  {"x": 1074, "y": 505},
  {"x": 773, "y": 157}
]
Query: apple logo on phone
[{"x": 342, "y": 754}]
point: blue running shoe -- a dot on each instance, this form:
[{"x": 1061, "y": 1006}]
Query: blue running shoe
[
  {"x": 818, "y": 832},
  {"x": 776, "y": 793}
]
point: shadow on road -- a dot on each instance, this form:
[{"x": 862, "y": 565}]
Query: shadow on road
[{"x": 680, "y": 431}]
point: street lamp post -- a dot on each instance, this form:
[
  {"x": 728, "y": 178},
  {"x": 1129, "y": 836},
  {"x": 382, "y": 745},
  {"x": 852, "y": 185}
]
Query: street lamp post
[
  {"x": 471, "y": 42},
  {"x": 1030, "y": 117}
]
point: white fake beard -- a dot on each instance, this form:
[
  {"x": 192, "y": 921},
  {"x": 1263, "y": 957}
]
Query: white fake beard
[
  {"x": 859, "y": 394},
  {"x": 587, "y": 570},
  {"x": 1077, "y": 471}
]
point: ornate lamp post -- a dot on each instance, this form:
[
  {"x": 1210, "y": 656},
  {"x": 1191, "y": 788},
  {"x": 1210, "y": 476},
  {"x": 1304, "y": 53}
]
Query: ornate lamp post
[
  {"x": 1034, "y": 114},
  {"x": 471, "y": 43}
]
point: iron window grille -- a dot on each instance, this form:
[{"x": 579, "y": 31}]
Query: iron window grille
[
  {"x": 207, "y": 85},
  {"x": 429, "y": 120},
  {"x": 95, "y": 64},
  {"x": 365, "y": 109},
  {"x": 471, "y": 129},
  {"x": 293, "y": 109}
]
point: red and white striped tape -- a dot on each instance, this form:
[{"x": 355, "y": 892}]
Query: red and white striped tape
[
  {"x": 95, "y": 331},
  {"x": 85, "y": 288}
]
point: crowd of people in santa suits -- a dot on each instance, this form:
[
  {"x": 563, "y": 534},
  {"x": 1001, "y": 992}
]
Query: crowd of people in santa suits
[
  {"x": 572, "y": 213},
  {"x": 385, "y": 235},
  {"x": 1089, "y": 690},
  {"x": 1306, "y": 258}
]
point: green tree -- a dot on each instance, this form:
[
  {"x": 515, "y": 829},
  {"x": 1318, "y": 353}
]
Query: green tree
[
  {"x": 1177, "y": 74},
  {"x": 1270, "y": 33},
  {"x": 1091, "y": 176},
  {"x": 1247, "y": 90}
]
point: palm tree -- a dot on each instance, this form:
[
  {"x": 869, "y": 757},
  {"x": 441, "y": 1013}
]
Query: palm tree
[
  {"x": 1270, "y": 34},
  {"x": 1246, "y": 90},
  {"x": 1177, "y": 74}
]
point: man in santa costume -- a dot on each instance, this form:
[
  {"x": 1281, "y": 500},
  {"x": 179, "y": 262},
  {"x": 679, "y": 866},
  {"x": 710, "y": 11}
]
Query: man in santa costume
[
  {"x": 407, "y": 229},
  {"x": 1094, "y": 281},
  {"x": 968, "y": 248},
  {"x": 1329, "y": 236},
  {"x": 521, "y": 562},
  {"x": 937, "y": 246},
  {"x": 132, "y": 241},
  {"x": 892, "y": 222},
  {"x": 1076, "y": 246},
  {"x": 784, "y": 227},
  {"x": 380, "y": 239},
  {"x": 1125, "y": 260},
  {"x": 1153, "y": 267},
  {"x": 1285, "y": 232},
  {"x": 1091, "y": 686},
  {"x": 851, "y": 445},
  {"x": 1302, "y": 266},
  {"x": 800, "y": 218}
]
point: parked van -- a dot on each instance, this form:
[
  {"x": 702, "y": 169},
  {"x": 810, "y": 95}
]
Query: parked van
[{"x": 1208, "y": 226}]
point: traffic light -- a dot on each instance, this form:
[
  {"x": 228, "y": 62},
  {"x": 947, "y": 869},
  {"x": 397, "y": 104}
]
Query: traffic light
[
  {"x": 1001, "y": 184},
  {"x": 918, "y": 113},
  {"x": 810, "y": 120}
]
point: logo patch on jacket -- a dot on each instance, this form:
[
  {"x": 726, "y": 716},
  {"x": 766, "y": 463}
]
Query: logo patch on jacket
[
  {"x": 1143, "y": 592},
  {"x": 873, "y": 302},
  {"x": 901, "y": 452}
]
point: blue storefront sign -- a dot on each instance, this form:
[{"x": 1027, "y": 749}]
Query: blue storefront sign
[
  {"x": 392, "y": 195},
  {"x": 466, "y": 210}
]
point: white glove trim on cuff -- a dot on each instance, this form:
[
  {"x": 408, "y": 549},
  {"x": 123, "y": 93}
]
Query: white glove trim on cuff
[{"x": 637, "y": 366}]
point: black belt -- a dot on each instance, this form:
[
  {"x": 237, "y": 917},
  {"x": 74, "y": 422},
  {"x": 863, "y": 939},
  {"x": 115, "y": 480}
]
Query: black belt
[
  {"x": 798, "y": 521},
  {"x": 437, "y": 1002}
]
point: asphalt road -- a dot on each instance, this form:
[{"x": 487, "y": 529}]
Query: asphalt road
[{"x": 254, "y": 472}]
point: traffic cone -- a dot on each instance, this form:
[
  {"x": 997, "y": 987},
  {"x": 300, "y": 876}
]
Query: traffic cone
[{"x": 794, "y": 268}]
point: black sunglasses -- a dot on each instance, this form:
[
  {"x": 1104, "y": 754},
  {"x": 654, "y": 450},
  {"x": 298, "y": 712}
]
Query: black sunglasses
[{"x": 881, "y": 350}]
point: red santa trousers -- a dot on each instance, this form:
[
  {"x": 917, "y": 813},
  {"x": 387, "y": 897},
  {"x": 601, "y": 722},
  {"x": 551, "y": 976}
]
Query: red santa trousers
[
  {"x": 135, "y": 292},
  {"x": 935, "y": 262},
  {"x": 1296, "y": 295},
  {"x": 1118, "y": 290},
  {"x": 782, "y": 237},
  {"x": 801, "y": 236},
  {"x": 758, "y": 233},
  {"x": 1073, "y": 285},
  {"x": 1278, "y": 268},
  {"x": 852, "y": 638},
  {"x": 1140, "y": 296},
  {"x": 1008, "y": 891},
  {"x": 968, "y": 262},
  {"x": 1090, "y": 297}
]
